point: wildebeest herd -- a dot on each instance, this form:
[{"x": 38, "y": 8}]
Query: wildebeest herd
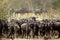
[{"x": 29, "y": 28}]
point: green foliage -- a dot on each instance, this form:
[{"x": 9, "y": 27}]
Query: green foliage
[
  {"x": 56, "y": 4},
  {"x": 23, "y": 3},
  {"x": 3, "y": 11},
  {"x": 34, "y": 3}
]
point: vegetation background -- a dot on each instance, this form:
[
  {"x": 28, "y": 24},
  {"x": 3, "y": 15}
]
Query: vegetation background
[{"x": 53, "y": 7}]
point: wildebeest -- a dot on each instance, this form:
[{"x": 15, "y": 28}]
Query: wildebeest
[
  {"x": 38, "y": 11},
  {"x": 34, "y": 25},
  {"x": 56, "y": 27},
  {"x": 13, "y": 27},
  {"x": 19, "y": 23},
  {"x": 23, "y": 10},
  {"x": 3, "y": 27},
  {"x": 25, "y": 30},
  {"x": 29, "y": 28},
  {"x": 30, "y": 25},
  {"x": 45, "y": 25}
]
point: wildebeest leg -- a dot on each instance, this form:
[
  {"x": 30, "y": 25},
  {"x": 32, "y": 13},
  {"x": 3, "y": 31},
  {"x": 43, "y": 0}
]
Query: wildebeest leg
[
  {"x": 36, "y": 34},
  {"x": 43, "y": 33},
  {"x": 33, "y": 34},
  {"x": 59, "y": 34},
  {"x": 19, "y": 33},
  {"x": 1, "y": 27},
  {"x": 11, "y": 34},
  {"x": 22, "y": 34},
  {"x": 28, "y": 33},
  {"x": 40, "y": 32},
  {"x": 0, "y": 33},
  {"x": 8, "y": 33}
]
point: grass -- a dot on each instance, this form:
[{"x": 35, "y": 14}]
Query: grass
[{"x": 51, "y": 14}]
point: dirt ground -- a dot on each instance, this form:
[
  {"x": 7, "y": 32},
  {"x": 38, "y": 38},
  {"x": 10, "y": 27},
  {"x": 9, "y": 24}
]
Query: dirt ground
[{"x": 25, "y": 39}]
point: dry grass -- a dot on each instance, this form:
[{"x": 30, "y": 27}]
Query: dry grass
[{"x": 47, "y": 15}]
